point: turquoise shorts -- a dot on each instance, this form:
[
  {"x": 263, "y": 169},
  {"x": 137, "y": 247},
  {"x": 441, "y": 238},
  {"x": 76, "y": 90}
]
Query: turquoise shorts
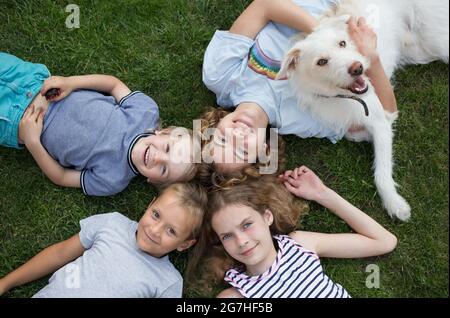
[{"x": 20, "y": 82}]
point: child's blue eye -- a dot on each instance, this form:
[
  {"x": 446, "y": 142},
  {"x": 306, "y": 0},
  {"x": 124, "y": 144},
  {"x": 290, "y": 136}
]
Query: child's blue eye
[
  {"x": 247, "y": 225},
  {"x": 226, "y": 236},
  {"x": 242, "y": 153},
  {"x": 220, "y": 140}
]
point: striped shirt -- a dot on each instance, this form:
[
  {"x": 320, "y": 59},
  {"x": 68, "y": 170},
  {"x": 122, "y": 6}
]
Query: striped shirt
[{"x": 296, "y": 273}]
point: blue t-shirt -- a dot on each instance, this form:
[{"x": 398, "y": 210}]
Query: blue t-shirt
[
  {"x": 239, "y": 69},
  {"x": 113, "y": 265},
  {"x": 92, "y": 133}
]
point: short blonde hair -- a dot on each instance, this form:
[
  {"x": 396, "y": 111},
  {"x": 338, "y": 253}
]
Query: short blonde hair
[{"x": 193, "y": 197}]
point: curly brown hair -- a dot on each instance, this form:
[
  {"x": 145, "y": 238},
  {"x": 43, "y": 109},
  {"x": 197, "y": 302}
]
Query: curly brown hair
[
  {"x": 210, "y": 119},
  {"x": 261, "y": 194}
]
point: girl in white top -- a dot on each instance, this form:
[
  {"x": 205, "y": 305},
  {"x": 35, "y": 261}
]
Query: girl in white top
[
  {"x": 249, "y": 239},
  {"x": 240, "y": 67}
]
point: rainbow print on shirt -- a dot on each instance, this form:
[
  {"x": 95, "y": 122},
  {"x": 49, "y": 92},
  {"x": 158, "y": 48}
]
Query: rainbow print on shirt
[{"x": 262, "y": 64}]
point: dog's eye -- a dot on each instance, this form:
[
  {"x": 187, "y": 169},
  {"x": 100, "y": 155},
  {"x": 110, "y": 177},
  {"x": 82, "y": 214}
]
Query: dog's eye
[
  {"x": 343, "y": 44},
  {"x": 322, "y": 62}
]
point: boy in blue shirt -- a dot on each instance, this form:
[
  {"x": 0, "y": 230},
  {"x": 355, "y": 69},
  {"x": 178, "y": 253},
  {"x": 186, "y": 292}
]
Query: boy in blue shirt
[{"x": 83, "y": 138}]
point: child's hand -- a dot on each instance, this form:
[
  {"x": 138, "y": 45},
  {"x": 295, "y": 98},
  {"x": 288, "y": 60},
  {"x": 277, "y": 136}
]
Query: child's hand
[
  {"x": 31, "y": 124},
  {"x": 303, "y": 183},
  {"x": 56, "y": 88},
  {"x": 364, "y": 37}
]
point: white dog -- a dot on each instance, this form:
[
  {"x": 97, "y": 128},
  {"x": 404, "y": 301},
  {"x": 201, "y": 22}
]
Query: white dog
[{"x": 327, "y": 73}]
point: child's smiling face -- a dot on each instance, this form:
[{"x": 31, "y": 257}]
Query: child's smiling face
[
  {"x": 238, "y": 139},
  {"x": 245, "y": 235},
  {"x": 165, "y": 226},
  {"x": 163, "y": 157},
  {"x": 236, "y": 142}
]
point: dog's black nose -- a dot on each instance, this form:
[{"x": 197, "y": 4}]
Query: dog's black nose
[{"x": 356, "y": 69}]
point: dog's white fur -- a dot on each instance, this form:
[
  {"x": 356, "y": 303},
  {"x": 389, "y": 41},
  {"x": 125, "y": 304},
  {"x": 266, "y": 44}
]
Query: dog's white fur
[{"x": 408, "y": 31}]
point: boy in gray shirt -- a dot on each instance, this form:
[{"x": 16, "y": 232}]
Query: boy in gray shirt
[
  {"x": 81, "y": 137},
  {"x": 113, "y": 256}
]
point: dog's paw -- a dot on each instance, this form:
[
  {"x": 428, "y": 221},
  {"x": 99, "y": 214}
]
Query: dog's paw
[{"x": 399, "y": 208}]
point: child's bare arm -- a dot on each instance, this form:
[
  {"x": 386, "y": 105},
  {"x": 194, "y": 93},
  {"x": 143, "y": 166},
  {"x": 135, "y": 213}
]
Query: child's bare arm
[
  {"x": 47, "y": 261},
  {"x": 366, "y": 41},
  {"x": 52, "y": 169},
  {"x": 370, "y": 239},
  {"x": 101, "y": 83},
  {"x": 30, "y": 129},
  {"x": 260, "y": 12}
]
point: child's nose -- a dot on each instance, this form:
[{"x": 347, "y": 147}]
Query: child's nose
[
  {"x": 157, "y": 229},
  {"x": 242, "y": 240},
  {"x": 240, "y": 138},
  {"x": 161, "y": 157}
]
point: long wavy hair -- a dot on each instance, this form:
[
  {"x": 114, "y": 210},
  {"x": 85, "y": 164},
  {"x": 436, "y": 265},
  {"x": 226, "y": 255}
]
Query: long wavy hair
[
  {"x": 208, "y": 261},
  {"x": 210, "y": 119}
]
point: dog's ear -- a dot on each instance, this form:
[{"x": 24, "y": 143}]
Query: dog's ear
[
  {"x": 344, "y": 18},
  {"x": 329, "y": 22},
  {"x": 289, "y": 64}
]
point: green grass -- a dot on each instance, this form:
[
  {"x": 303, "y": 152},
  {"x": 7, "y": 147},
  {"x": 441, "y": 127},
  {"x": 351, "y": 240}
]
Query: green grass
[{"x": 157, "y": 47}]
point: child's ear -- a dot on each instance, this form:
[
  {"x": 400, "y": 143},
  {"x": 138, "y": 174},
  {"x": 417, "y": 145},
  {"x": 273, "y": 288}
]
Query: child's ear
[
  {"x": 334, "y": 21},
  {"x": 344, "y": 18},
  {"x": 186, "y": 244},
  {"x": 289, "y": 64},
  {"x": 268, "y": 217}
]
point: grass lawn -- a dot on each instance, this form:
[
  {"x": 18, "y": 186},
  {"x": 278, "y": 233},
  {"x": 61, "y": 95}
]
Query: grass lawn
[{"x": 157, "y": 46}]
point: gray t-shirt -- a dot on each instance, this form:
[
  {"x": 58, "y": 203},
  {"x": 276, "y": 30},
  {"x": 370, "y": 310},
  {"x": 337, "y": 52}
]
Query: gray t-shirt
[
  {"x": 89, "y": 132},
  {"x": 113, "y": 266}
]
